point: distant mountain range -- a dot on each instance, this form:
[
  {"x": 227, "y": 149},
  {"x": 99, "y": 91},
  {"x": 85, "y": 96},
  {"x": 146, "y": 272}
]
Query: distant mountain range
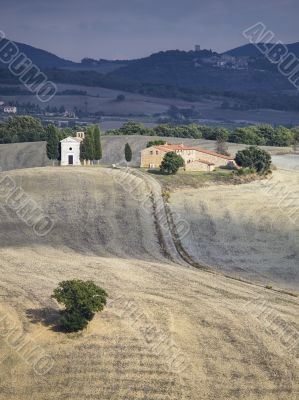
[
  {"x": 42, "y": 58},
  {"x": 250, "y": 50},
  {"x": 45, "y": 59},
  {"x": 242, "y": 73}
]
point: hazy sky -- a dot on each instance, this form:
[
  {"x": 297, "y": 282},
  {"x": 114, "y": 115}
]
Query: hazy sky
[{"x": 113, "y": 29}]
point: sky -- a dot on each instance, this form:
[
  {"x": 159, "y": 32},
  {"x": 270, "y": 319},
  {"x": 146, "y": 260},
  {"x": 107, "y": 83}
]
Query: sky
[{"x": 126, "y": 29}]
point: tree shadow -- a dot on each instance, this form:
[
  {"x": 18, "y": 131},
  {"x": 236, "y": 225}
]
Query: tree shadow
[
  {"x": 155, "y": 172},
  {"x": 46, "y": 316}
]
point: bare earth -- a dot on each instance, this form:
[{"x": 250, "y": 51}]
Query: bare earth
[{"x": 169, "y": 332}]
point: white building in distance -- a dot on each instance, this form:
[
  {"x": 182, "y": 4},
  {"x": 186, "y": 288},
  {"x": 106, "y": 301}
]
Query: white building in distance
[
  {"x": 10, "y": 110},
  {"x": 70, "y": 149}
]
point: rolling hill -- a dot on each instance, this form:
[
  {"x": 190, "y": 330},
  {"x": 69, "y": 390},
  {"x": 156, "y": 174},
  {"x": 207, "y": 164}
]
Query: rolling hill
[
  {"x": 168, "y": 332},
  {"x": 23, "y": 155},
  {"x": 41, "y": 58},
  {"x": 245, "y": 230}
]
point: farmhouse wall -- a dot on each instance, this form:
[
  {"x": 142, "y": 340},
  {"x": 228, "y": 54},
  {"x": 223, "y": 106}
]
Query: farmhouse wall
[{"x": 199, "y": 166}]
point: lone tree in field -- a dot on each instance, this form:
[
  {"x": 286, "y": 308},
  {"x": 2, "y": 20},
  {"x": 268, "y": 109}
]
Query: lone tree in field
[
  {"x": 254, "y": 157},
  {"x": 81, "y": 301},
  {"x": 171, "y": 163},
  {"x": 221, "y": 139},
  {"x": 97, "y": 143},
  {"x": 128, "y": 152},
  {"x": 120, "y": 98},
  {"x": 222, "y": 147},
  {"x": 52, "y": 143}
]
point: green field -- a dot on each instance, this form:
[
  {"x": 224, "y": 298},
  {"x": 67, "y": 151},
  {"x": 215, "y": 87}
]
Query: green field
[{"x": 185, "y": 179}]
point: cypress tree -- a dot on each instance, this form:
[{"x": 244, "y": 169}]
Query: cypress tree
[
  {"x": 83, "y": 150},
  {"x": 89, "y": 144},
  {"x": 52, "y": 143},
  {"x": 97, "y": 143},
  {"x": 128, "y": 152}
]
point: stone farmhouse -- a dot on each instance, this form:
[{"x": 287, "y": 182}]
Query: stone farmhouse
[{"x": 195, "y": 158}]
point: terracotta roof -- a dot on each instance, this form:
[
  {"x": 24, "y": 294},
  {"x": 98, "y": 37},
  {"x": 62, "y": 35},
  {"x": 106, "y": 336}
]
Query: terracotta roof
[
  {"x": 213, "y": 153},
  {"x": 174, "y": 147}
]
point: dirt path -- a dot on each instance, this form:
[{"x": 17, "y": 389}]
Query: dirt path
[{"x": 165, "y": 234}]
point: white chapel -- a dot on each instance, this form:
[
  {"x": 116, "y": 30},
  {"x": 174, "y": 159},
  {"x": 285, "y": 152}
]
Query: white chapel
[{"x": 70, "y": 149}]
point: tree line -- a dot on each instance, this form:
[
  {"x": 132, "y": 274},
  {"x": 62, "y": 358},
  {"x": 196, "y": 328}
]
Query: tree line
[
  {"x": 261, "y": 135},
  {"x": 29, "y": 129},
  {"x": 21, "y": 129}
]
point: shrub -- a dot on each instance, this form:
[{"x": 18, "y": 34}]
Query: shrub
[
  {"x": 171, "y": 163},
  {"x": 155, "y": 143},
  {"x": 166, "y": 196},
  {"x": 133, "y": 128},
  {"x": 222, "y": 147},
  {"x": 246, "y": 171},
  {"x": 81, "y": 300},
  {"x": 254, "y": 157}
]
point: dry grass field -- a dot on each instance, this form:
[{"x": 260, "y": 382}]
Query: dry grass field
[
  {"x": 102, "y": 99},
  {"x": 170, "y": 332},
  {"x": 249, "y": 230},
  {"x": 23, "y": 155}
]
